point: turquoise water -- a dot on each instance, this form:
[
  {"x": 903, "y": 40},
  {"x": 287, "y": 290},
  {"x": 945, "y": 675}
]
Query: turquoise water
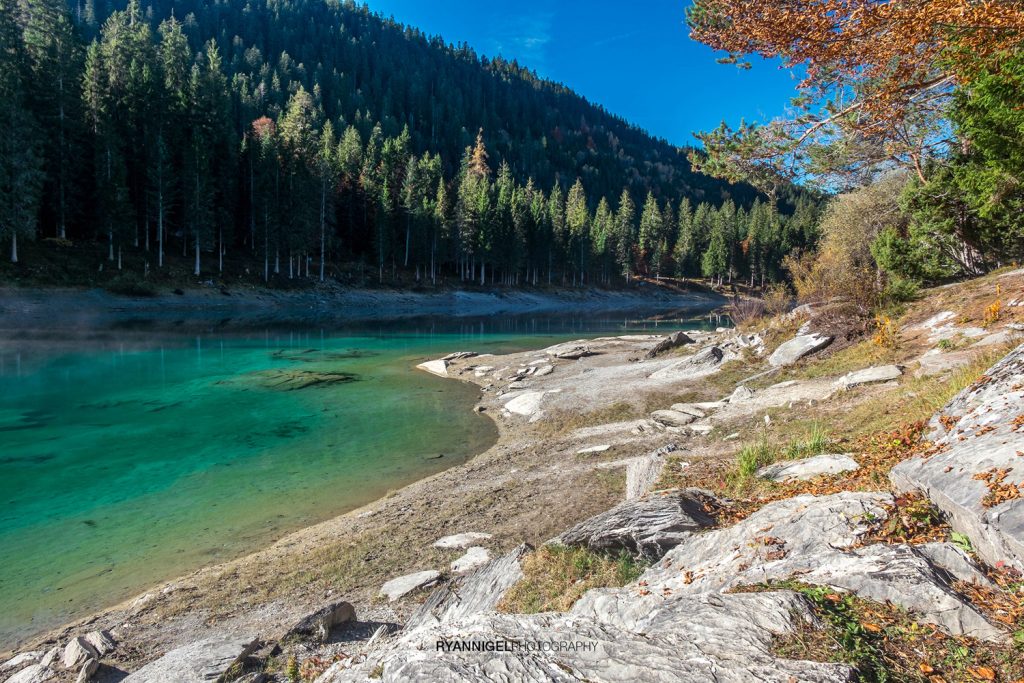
[{"x": 128, "y": 458}]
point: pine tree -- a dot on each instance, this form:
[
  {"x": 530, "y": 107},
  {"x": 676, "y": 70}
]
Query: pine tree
[
  {"x": 55, "y": 54},
  {"x": 577, "y": 219},
  {"x": 651, "y": 225},
  {"x": 625, "y": 231},
  {"x": 21, "y": 168}
]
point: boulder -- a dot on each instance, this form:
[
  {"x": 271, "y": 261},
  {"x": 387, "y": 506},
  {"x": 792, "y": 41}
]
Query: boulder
[
  {"x": 672, "y": 418},
  {"x": 463, "y": 540},
  {"x": 87, "y": 670},
  {"x": 200, "y": 662},
  {"x": 476, "y": 592},
  {"x": 798, "y": 347},
  {"x": 435, "y": 367},
  {"x": 594, "y": 449},
  {"x": 543, "y": 370},
  {"x": 574, "y": 353},
  {"x": 700, "y": 364},
  {"x": 318, "y": 624},
  {"x": 689, "y": 409},
  {"x": 403, "y": 585},
  {"x": 673, "y": 341},
  {"x": 809, "y": 468},
  {"x": 724, "y": 638},
  {"x": 22, "y": 660},
  {"x": 974, "y": 474},
  {"x": 50, "y": 657},
  {"x": 101, "y": 641},
  {"x": 476, "y": 556},
  {"x": 647, "y": 526},
  {"x": 642, "y": 473},
  {"x": 817, "y": 540},
  {"x": 34, "y": 673},
  {"x": 526, "y": 403},
  {"x": 740, "y": 394},
  {"x": 955, "y": 561},
  {"x": 77, "y": 652},
  {"x": 882, "y": 373}
]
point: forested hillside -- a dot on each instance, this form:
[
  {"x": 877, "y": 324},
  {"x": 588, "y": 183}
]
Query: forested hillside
[{"x": 306, "y": 134}]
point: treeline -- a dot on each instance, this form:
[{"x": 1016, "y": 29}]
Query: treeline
[{"x": 170, "y": 135}]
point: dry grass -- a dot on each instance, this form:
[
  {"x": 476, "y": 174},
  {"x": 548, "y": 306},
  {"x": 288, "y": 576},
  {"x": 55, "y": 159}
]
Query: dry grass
[
  {"x": 885, "y": 643},
  {"x": 555, "y": 577}
]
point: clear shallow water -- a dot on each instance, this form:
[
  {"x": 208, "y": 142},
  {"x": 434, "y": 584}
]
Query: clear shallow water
[{"x": 128, "y": 458}]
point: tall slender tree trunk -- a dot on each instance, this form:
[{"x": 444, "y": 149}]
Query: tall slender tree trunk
[
  {"x": 323, "y": 227},
  {"x": 197, "y": 253},
  {"x": 160, "y": 221},
  {"x": 14, "y": 246}
]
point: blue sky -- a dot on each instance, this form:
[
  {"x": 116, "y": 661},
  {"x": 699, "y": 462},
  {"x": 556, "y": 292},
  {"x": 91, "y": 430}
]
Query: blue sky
[{"x": 633, "y": 58}]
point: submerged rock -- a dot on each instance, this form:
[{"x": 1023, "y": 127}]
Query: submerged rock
[
  {"x": 403, "y": 585},
  {"x": 798, "y": 347},
  {"x": 808, "y": 468},
  {"x": 292, "y": 380},
  {"x": 199, "y": 662},
  {"x": 648, "y": 526}
]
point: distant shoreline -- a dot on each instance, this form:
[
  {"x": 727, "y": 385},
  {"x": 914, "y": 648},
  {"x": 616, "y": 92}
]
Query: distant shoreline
[{"x": 34, "y": 308}]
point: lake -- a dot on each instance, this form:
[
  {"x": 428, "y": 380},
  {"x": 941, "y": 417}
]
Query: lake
[{"x": 128, "y": 457}]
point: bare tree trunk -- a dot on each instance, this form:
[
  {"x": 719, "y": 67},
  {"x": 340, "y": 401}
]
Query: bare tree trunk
[{"x": 14, "y": 246}]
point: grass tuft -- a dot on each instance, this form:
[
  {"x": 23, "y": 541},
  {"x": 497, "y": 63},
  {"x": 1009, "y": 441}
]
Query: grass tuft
[{"x": 555, "y": 577}]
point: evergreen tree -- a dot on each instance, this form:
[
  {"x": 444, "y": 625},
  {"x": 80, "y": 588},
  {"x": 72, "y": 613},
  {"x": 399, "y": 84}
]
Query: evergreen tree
[
  {"x": 21, "y": 165},
  {"x": 625, "y": 230}
]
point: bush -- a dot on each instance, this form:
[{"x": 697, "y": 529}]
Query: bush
[
  {"x": 900, "y": 290},
  {"x": 844, "y": 266}
]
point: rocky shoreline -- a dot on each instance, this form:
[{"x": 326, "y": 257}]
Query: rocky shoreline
[{"x": 610, "y": 447}]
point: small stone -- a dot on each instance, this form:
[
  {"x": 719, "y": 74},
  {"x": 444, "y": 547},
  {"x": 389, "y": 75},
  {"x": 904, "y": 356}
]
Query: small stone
[
  {"x": 672, "y": 418},
  {"x": 798, "y": 347},
  {"x": 740, "y": 394},
  {"x": 403, "y": 585},
  {"x": 882, "y": 373},
  {"x": 87, "y": 671},
  {"x": 458, "y": 541},
  {"x": 475, "y": 557},
  {"x": 808, "y": 468},
  {"x": 689, "y": 409}
]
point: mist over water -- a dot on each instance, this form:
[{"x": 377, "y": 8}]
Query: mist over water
[{"x": 128, "y": 457}]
